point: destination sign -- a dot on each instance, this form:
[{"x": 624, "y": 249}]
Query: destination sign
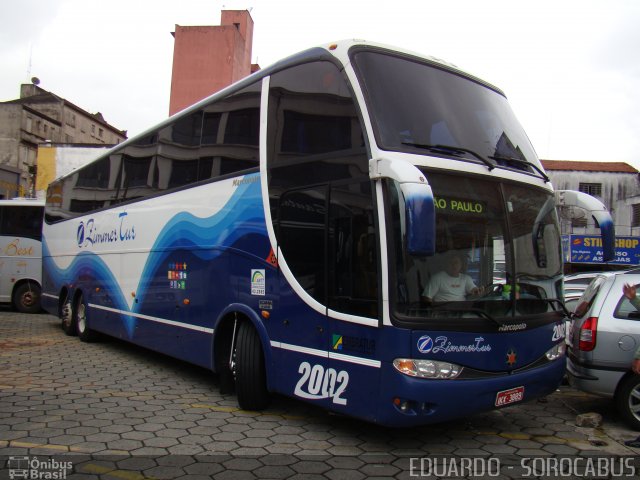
[{"x": 459, "y": 206}]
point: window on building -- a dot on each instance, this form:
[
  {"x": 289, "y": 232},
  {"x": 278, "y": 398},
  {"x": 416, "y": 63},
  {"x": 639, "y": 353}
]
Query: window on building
[
  {"x": 580, "y": 222},
  {"x": 100, "y": 132},
  {"x": 93, "y": 129},
  {"x": 593, "y": 189},
  {"x": 635, "y": 215}
]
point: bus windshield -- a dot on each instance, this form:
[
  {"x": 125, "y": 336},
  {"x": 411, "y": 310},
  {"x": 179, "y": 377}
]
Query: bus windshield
[
  {"x": 421, "y": 108},
  {"x": 497, "y": 253}
]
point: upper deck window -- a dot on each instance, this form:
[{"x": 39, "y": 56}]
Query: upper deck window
[{"x": 593, "y": 189}]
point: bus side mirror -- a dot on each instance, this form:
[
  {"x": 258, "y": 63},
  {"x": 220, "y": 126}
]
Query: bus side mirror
[
  {"x": 420, "y": 217},
  {"x": 419, "y": 205},
  {"x": 571, "y": 198}
]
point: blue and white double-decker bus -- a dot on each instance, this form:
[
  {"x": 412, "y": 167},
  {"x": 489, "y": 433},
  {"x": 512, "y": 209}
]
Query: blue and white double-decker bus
[{"x": 291, "y": 231}]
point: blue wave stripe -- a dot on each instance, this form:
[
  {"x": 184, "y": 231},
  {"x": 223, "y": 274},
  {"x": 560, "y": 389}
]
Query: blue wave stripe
[{"x": 207, "y": 238}]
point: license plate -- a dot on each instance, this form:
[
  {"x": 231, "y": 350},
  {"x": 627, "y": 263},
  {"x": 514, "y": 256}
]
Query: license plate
[{"x": 512, "y": 395}]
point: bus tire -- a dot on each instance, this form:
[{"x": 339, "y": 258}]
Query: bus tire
[
  {"x": 251, "y": 377},
  {"x": 627, "y": 400},
  {"x": 85, "y": 334},
  {"x": 66, "y": 315},
  {"x": 26, "y": 298}
]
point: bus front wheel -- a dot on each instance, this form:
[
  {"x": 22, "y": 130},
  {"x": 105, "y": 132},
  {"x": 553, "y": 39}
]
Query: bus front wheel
[
  {"x": 26, "y": 298},
  {"x": 250, "y": 372}
]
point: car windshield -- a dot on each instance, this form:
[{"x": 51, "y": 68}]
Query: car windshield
[
  {"x": 424, "y": 108},
  {"x": 497, "y": 253}
]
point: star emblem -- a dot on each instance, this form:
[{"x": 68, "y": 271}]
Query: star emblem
[{"x": 512, "y": 357}]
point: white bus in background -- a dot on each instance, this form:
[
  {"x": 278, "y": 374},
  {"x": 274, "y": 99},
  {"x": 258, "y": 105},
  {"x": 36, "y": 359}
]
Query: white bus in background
[{"x": 21, "y": 253}]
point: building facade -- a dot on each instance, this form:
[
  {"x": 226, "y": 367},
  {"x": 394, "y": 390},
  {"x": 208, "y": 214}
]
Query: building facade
[
  {"x": 39, "y": 117},
  {"x": 617, "y": 186}
]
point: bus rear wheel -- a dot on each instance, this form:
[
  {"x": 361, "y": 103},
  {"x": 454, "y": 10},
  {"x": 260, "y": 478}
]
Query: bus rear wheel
[
  {"x": 80, "y": 320},
  {"x": 68, "y": 324},
  {"x": 250, "y": 372},
  {"x": 26, "y": 298}
]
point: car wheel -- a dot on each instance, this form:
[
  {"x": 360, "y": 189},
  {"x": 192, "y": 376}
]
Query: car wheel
[
  {"x": 628, "y": 400},
  {"x": 250, "y": 373},
  {"x": 26, "y": 298}
]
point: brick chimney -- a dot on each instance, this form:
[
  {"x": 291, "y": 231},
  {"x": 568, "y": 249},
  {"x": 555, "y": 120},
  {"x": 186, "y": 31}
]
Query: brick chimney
[{"x": 209, "y": 58}]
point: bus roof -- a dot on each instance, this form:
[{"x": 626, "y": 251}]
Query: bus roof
[{"x": 329, "y": 51}]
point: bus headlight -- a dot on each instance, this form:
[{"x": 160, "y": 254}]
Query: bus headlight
[
  {"x": 556, "y": 352},
  {"x": 427, "y": 368}
]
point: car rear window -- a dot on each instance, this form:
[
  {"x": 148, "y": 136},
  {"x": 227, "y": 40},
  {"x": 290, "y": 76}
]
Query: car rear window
[{"x": 589, "y": 295}]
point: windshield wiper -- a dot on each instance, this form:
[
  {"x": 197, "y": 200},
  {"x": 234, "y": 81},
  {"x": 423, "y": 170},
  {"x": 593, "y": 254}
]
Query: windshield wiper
[
  {"x": 451, "y": 150},
  {"x": 521, "y": 162}
]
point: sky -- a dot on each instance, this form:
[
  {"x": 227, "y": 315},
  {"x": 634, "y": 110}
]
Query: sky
[{"x": 570, "y": 68}]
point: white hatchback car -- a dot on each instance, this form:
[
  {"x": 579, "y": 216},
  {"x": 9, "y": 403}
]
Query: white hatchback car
[{"x": 603, "y": 338}]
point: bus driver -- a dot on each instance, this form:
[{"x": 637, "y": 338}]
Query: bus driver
[{"x": 450, "y": 285}]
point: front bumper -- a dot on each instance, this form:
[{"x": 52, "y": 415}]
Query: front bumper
[{"x": 408, "y": 401}]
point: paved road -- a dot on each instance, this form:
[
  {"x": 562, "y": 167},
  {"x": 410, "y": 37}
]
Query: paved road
[{"x": 113, "y": 410}]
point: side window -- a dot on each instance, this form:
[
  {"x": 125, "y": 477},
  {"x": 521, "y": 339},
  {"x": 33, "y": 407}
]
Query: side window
[
  {"x": 178, "y": 155},
  {"x": 302, "y": 233},
  {"x": 136, "y": 173},
  {"x": 353, "y": 264},
  {"x": 230, "y": 133},
  {"x": 185, "y": 131},
  {"x": 314, "y": 132},
  {"x": 94, "y": 175},
  {"x": 347, "y": 279},
  {"x": 22, "y": 221},
  {"x": 319, "y": 187},
  {"x": 90, "y": 188},
  {"x": 626, "y": 309},
  {"x": 220, "y": 139}
]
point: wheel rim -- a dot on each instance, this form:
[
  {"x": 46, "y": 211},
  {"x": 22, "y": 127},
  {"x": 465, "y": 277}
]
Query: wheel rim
[
  {"x": 28, "y": 299},
  {"x": 634, "y": 402},
  {"x": 82, "y": 318}
]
